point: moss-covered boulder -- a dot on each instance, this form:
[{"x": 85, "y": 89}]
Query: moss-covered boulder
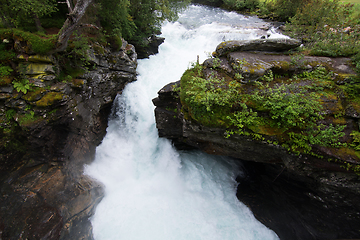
[{"x": 294, "y": 115}]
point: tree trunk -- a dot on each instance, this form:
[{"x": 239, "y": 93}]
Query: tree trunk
[{"x": 71, "y": 24}]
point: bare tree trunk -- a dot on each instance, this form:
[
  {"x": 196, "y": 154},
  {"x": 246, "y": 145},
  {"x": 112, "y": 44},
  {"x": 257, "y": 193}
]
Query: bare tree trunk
[
  {"x": 71, "y": 24},
  {"x": 70, "y": 5}
]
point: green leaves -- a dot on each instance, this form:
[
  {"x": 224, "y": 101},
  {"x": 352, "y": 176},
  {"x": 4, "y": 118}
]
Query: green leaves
[
  {"x": 22, "y": 85},
  {"x": 288, "y": 112},
  {"x": 16, "y": 11},
  {"x": 5, "y": 71},
  {"x": 136, "y": 20},
  {"x": 288, "y": 109}
]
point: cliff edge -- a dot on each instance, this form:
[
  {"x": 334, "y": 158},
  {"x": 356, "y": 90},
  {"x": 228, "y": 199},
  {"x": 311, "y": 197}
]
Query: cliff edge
[
  {"x": 296, "y": 117},
  {"x": 49, "y": 130}
]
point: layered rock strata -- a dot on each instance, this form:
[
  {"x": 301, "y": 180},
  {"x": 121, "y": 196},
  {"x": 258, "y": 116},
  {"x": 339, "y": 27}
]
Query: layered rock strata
[{"x": 49, "y": 133}]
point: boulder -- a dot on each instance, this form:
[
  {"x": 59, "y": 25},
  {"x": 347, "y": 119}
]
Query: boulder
[
  {"x": 149, "y": 46},
  {"x": 264, "y": 45}
]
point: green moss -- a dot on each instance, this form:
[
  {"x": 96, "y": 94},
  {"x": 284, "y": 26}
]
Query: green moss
[
  {"x": 287, "y": 111},
  {"x": 34, "y": 95},
  {"x": 27, "y": 119},
  {"x": 34, "y": 42},
  {"x": 5, "y": 81},
  {"x": 77, "y": 82},
  {"x": 283, "y": 65},
  {"x": 49, "y": 99}
]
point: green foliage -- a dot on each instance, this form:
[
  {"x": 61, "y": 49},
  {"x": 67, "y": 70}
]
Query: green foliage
[
  {"x": 290, "y": 112},
  {"x": 242, "y": 5},
  {"x": 281, "y": 10},
  {"x": 268, "y": 77},
  {"x": 356, "y": 140},
  {"x": 356, "y": 61},
  {"x": 78, "y": 47},
  {"x": 28, "y": 118},
  {"x": 205, "y": 97},
  {"x": 22, "y": 85},
  {"x": 16, "y": 12},
  {"x": 327, "y": 135},
  {"x": 6, "y": 55},
  {"x": 10, "y": 114},
  {"x": 135, "y": 20},
  {"x": 34, "y": 42},
  {"x": 288, "y": 109},
  {"x": 6, "y": 52},
  {"x": 244, "y": 118},
  {"x": 330, "y": 28},
  {"x": 5, "y": 71}
]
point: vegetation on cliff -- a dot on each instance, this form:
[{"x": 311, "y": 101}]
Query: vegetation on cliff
[
  {"x": 302, "y": 112},
  {"x": 45, "y": 43}
]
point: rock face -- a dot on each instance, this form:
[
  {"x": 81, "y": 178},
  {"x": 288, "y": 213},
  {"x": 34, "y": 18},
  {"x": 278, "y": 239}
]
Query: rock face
[
  {"x": 291, "y": 194},
  {"x": 149, "y": 46},
  {"x": 48, "y": 134}
]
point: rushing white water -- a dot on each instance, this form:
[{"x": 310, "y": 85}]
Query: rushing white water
[{"x": 153, "y": 191}]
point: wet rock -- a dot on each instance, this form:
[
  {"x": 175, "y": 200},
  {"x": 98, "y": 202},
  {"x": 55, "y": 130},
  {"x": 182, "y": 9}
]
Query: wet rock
[
  {"x": 290, "y": 193},
  {"x": 265, "y": 45},
  {"x": 37, "y": 58},
  {"x": 298, "y": 208},
  {"x": 149, "y": 46},
  {"x": 50, "y": 134}
]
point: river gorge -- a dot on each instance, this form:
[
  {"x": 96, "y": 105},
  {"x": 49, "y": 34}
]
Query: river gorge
[{"x": 99, "y": 166}]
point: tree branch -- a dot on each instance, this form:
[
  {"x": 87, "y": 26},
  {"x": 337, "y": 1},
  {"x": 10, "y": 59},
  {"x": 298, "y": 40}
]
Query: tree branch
[{"x": 71, "y": 24}]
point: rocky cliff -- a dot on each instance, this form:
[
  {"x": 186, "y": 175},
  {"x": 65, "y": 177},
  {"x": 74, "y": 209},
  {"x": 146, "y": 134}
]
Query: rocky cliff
[
  {"x": 293, "y": 118},
  {"x": 49, "y": 130}
]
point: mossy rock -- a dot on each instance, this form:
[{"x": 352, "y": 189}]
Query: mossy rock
[
  {"x": 5, "y": 81},
  {"x": 28, "y": 119},
  {"x": 77, "y": 83},
  {"x": 39, "y": 69},
  {"x": 49, "y": 99},
  {"x": 37, "y": 58},
  {"x": 32, "y": 96}
]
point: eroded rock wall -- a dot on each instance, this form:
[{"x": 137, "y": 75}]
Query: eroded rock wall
[{"x": 49, "y": 134}]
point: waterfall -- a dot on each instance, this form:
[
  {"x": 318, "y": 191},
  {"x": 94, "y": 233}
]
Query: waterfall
[{"x": 153, "y": 191}]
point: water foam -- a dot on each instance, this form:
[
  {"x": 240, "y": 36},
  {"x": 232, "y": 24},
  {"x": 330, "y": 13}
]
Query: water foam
[{"x": 152, "y": 190}]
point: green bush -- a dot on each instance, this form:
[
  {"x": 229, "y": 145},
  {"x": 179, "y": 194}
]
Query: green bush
[
  {"x": 241, "y": 5},
  {"x": 35, "y": 42},
  {"x": 328, "y": 28},
  {"x": 286, "y": 111},
  {"x": 5, "y": 71}
]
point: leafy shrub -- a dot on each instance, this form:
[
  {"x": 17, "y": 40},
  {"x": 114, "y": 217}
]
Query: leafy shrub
[
  {"x": 205, "y": 98},
  {"x": 241, "y": 5},
  {"x": 35, "y": 42},
  {"x": 22, "y": 85},
  {"x": 329, "y": 29},
  {"x": 290, "y": 112},
  {"x": 5, "y": 71}
]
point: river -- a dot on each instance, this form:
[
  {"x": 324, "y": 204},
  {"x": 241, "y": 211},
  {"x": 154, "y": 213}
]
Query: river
[{"x": 153, "y": 191}]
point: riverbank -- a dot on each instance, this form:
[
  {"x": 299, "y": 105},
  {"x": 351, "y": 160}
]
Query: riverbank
[
  {"x": 48, "y": 133},
  {"x": 251, "y": 101}
]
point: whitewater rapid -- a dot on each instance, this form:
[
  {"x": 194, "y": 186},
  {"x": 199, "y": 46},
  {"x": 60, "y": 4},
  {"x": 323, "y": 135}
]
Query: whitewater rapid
[{"x": 153, "y": 191}]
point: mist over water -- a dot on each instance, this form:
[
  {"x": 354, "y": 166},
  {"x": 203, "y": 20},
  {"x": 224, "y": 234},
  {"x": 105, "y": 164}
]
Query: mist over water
[{"x": 152, "y": 191}]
